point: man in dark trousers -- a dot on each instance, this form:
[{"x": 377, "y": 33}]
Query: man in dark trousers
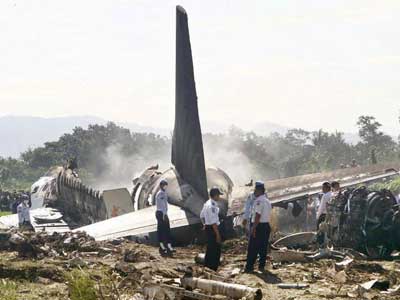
[
  {"x": 210, "y": 219},
  {"x": 163, "y": 227},
  {"x": 260, "y": 230}
]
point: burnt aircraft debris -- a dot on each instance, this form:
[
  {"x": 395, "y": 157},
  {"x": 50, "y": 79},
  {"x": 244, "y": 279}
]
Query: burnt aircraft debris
[
  {"x": 365, "y": 220},
  {"x": 61, "y": 190}
]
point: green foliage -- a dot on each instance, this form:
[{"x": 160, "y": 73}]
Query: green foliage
[
  {"x": 81, "y": 286},
  {"x": 393, "y": 186},
  {"x": 112, "y": 152},
  {"x": 17, "y": 175},
  {"x": 8, "y": 290},
  {"x": 4, "y": 213}
]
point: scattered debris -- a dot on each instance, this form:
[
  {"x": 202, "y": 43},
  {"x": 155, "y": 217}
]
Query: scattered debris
[
  {"x": 297, "y": 286},
  {"x": 234, "y": 291}
]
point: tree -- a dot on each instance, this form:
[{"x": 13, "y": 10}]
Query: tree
[{"x": 374, "y": 140}]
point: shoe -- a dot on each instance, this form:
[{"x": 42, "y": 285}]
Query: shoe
[
  {"x": 262, "y": 269},
  {"x": 248, "y": 271},
  {"x": 169, "y": 253},
  {"x": 163, "y": 252}
]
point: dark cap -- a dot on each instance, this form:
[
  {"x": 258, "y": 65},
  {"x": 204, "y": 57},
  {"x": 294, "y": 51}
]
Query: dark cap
[
  {"x": 214, "y": 191},
  {"x": 259, "y": 185},
  {"x": 24, "y": 197}
]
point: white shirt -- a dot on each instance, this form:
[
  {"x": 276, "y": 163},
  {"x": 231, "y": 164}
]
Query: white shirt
[
  {"x": 326, "y": 197},
  {"x": 248, "y": 207},
  {"x": 209, "y": 213},
  {"x": 23, "y": 213},
  {"x": 262, "y": 206},
  {"x": 162, "y": 201}
]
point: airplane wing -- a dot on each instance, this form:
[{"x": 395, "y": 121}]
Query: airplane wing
[
  {"x": 42, "y": 219},
  {"x": 292, "y": 189},
  {"x": 137, "y": 223}
]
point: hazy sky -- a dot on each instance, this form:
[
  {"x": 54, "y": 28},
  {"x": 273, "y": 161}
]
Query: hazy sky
[{"x": 312, "y": 64}]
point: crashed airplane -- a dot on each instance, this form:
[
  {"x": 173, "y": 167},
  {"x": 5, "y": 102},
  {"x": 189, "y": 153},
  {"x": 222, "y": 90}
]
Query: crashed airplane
[{"x": 62, "y": 202}]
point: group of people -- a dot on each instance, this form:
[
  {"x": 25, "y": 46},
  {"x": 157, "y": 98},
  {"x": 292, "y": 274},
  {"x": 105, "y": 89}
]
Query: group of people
[
  {"x": 256, "y": 219},
  {"x": 9, "y": 201},
  {"x": 18, "y": 203}
]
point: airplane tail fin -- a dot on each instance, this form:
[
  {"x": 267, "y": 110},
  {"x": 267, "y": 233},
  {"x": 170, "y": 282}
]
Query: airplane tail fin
[{"x": 187, "y": 143}]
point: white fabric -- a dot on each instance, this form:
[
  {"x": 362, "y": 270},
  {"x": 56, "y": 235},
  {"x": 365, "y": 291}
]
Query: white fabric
[
  {"x": 248, "y": 207},
  {"x": 209, "y": 213},
  {"x": 162, "y": 202},
  {"x": 262, "y": 206},
  {"x": 23, "y": 213},
  {"x": 326, "y": 197}
]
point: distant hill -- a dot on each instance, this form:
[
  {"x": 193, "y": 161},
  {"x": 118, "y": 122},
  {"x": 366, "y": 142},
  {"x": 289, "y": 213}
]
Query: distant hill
[{"x": 19, "y": 133}]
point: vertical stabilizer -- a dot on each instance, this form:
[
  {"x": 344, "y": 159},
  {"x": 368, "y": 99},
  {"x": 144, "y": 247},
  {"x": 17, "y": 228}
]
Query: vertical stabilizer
[{"x": 187, "y": 144}]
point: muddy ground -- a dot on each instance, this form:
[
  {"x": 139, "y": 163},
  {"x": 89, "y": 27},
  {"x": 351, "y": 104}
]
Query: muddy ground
[{"x": 122, "y": 271}]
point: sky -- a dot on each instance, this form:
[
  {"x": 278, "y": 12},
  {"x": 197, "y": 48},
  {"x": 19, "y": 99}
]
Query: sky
[{"x": 304, "y": 63}]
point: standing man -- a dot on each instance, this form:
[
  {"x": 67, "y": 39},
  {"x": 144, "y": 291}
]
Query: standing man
[
  {"x": 210, "y": 219},
  {"x": 23, "y": 211},
  {"x": 248, "y": 207},
  {"x": 163, "y": 227},
  {"x": 326, "y": 197},
  {"x": 260, "y": 230},
  {"x": 335, "y": 187}
]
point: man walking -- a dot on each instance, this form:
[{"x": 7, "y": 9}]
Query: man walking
[
  {"x": 260, "y": 230},
  {"x": 163, "y": 227},
  {"x": 210, "y": 219}
]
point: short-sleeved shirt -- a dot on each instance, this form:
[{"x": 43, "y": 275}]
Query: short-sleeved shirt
[
  {"x": 209, "y": 213},
  {"x": 23, "y": 213},
  {"x": 326, "y": 197},
  {"x": 162, "y": 201},
  {"x": 262, "y": 206},
  {"x": 248, "y": 207}
]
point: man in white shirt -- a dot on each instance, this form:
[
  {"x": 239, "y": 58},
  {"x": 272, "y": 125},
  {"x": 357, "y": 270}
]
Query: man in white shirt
[
  {"x": 325, "y": 199},
  {"x": 210, "y": 219},
  {"x": 260, "y": 230},
  {"x": 23, "y": 211},
  {"x": 163, "y": 227},
  {"x": 248, "y": 206}
]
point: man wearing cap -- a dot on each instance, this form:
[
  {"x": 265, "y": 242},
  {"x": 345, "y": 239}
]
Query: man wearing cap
[
  {"x": 260, "y": 230},
  {"x": 248, "y": 207},
  {"x": 163, "y": 227},
  {"x": 210, "y": 219}
]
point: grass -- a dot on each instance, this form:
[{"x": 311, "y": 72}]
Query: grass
[
  {"x": 81, "y": 286},
  {"x": 8, "y": 290},
  {"x": 4, "y": 213}
]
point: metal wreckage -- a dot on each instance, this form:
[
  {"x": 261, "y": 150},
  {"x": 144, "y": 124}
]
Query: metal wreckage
[{"x": 357, "y": 218}]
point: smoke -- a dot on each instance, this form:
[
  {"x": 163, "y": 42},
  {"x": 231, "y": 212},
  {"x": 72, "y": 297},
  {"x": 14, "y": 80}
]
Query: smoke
[
  {"x": 119, "y": 169},
  {"x": 116, "y": 169},
  {"x": 224, "y": 154}
]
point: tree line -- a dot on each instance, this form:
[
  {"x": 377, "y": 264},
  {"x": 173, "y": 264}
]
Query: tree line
[{"x": 275, "y": 156}]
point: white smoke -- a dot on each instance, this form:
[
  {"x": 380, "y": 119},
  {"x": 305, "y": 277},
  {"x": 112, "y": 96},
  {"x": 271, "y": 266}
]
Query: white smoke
[
  {"x": 121, "y": 169},
  {"x": 229, "y": 158}
]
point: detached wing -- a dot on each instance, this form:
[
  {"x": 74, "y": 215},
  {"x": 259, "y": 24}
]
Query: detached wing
[{"x": 137, "y": 223}]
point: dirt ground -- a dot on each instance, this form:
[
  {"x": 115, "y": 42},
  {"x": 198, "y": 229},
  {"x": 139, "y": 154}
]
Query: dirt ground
[{"x": 123, "y": 270}]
